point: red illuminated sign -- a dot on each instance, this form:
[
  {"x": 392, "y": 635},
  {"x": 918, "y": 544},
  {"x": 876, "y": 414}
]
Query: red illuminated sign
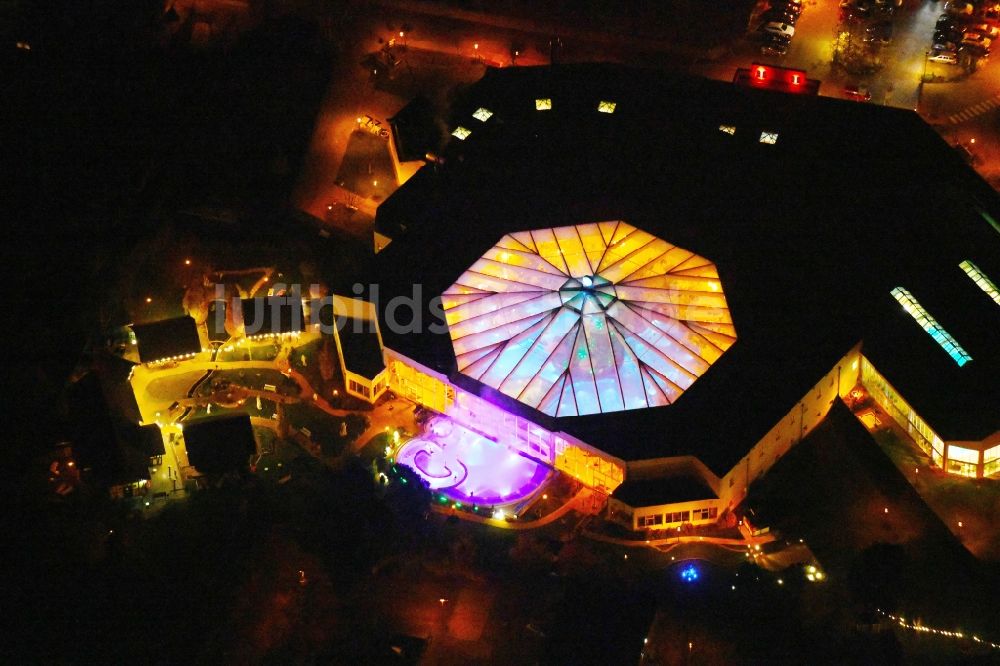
[{"x": 776, "y": 78}]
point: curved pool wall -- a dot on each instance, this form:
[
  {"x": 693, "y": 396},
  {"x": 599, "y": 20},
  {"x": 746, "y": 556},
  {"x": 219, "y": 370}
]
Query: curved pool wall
[{"x": 469, "y": 468}]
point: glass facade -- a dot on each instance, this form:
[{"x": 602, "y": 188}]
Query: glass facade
[
  {"x": 883, "y": 393},
  {"x": 672, "y": 519},
  {"x": 587, "y": 319},
  {"x": 991, "y": 461}
]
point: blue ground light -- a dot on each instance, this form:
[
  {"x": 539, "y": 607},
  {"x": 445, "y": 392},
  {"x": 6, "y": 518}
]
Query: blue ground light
[{"x": 689, "y": 574}]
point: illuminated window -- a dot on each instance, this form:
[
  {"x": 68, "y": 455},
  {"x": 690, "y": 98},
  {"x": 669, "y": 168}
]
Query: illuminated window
[
  {"x": 585, "y": 319},
  {"x": 962, "y": 454},
  {"x": 606, "y": 107},
  {"x": 543, "y": 104},
  {"x": 649, "y": 521},
  {"x": 482, "y": 114},
  {"x": 769, "y": 137},
  {"x": 929, "y": 324},
  {"x": 727, "y": 129},
  {"x": 981, "y": 280},
  {"x": 991, "y": 461},
  {"x": 461, "y": 133}
]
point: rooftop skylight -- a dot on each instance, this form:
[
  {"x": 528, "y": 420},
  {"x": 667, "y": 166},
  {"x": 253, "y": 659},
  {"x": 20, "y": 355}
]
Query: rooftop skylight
[
  {"x": 930, "y": 324},
  {"x": 981, "y": 280},
  {"x": 591, "y": 318}
]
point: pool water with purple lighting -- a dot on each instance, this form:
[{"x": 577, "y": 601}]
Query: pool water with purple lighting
[{"x": 467, "y": 467}]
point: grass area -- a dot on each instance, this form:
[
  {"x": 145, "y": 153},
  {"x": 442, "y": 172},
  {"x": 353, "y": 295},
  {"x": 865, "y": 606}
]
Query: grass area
[
  {"x": 974, "y": 502},
  {"x": 325, "y": 428},
  {"x": 276, "y": 453},
  {"x": 312, "y": 369},
  {"x": 255, "y": 379}
]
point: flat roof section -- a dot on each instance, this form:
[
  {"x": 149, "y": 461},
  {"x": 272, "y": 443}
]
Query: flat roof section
[
  {"x": 147, "y": 439},
  {"x": 670, "y": 490},
  {"x": 220, "y": 444},
  {"x": 167, "y": 338}
]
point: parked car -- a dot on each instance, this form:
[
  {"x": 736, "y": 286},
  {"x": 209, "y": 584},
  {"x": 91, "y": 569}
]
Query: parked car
[
  {"x": 858, "y": 92},
  {"x": 965, "y": 151},
  {"x": 944, "y": 45},
  {"x": 947, "y": 36},
  {"x": 788, "y": 7},
  {"x": 775, "y": 44},
  {"x": 990, "y": 31},
  {"x": 958, "y": 8},
  {"x": 880, "y": 31},
  {"x": 976, "y": 39},
  {"x": 779, "y": 28},
  {"x": 975, "y": 50},
  {"x": 886, "y": 7},
  {"x": 943, "y": 56},
  {"x": 946, "y": 22},
  {"x": 862, "y": 8},
  {"x": 777, "y": 15}
]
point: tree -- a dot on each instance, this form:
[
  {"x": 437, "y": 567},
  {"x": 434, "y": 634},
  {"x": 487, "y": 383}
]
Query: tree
[
  {"x": 408, "y": 497},
  {"x": 877, "y": 574}
]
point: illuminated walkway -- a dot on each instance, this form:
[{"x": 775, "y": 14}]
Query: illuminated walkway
[{"x": 578, "y": 502}]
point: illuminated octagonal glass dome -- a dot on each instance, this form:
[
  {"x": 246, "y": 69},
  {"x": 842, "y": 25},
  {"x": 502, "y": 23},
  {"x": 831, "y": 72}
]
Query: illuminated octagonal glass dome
[{"x": 589, "y": 318}]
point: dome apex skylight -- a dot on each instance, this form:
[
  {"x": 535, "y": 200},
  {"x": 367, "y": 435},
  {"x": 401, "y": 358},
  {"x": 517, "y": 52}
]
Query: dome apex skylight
[{"x": 589, "y": 318}]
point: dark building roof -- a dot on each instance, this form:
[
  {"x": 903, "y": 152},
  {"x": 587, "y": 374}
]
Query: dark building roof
[
  {"x": 99, "y": 436},
  {"x": 272, "y": 314},
  {"x": 169, "y": 337},
  {"x": 360, "y": 346},
  {"x": 650, "y": 492},
  {"x": 114, "y": 373},
  {"x": 809, "y": 235},
  {"x": 220, "y": 444},
  {"x": 216, "y": 321},
  {"x": 415, "y": 129},
  {"x": 147, "y": 439}
]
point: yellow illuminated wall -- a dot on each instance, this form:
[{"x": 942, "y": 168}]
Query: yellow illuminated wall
[
  {"x": 588, "y": 465},
  {"x": 798, "y": 422},
  {"x": 413, "y": 382},
  {"x": 889, "y": 399}
]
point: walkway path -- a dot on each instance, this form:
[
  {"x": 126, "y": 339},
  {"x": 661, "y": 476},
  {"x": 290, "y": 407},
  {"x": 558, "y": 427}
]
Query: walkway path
[
  {"x": 580, "y": 500},
  {"x": 739, "y": 544},
  {"x": 971, "y": 112}
]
